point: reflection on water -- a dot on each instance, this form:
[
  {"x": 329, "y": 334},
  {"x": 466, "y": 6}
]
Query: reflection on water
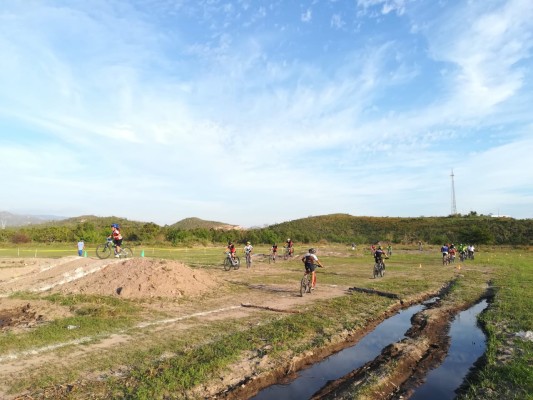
[
  {"x": 337, "y": 365},
  {"x": 467, "y": 345}
]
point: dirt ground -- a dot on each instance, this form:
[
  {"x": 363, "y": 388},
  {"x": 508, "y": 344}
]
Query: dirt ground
[
  {"x": 142, "y": 279},
  {"x": 145, "y": 279}
]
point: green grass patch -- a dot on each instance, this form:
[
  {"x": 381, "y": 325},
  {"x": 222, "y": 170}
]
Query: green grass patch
[
  {"x": 92, "y": 316},
  {"x": 507, "y": 373}
]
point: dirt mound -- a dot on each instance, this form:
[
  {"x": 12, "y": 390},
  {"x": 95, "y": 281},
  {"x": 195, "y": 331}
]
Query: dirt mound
[{"x": 144, "y": 278}]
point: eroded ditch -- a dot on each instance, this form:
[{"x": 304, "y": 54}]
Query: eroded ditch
[
  {"x": 468, "y": 344},
  {"x": 337, "y": 365},
  {"x": 390, "y": 361}
]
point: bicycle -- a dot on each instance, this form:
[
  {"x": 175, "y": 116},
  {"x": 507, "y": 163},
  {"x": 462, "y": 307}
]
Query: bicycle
[
  {"x": 305, "y": 283},
  {"x": 106, "y": 249},
  {"x": 379, "y": 269},
  {"x": 231, "y": 262},
  {"x": 272, "y": 257},
  {"x": 445, "y": 259},
  {"x": 248, "y": 260},
  {"x": 288, "y": 252}
]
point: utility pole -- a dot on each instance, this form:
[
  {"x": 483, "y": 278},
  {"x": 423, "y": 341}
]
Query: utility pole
[{"x": 454, "y": 208}]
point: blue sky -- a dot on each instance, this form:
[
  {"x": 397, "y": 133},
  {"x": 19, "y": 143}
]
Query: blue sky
[{"x": 256, "y": 112}]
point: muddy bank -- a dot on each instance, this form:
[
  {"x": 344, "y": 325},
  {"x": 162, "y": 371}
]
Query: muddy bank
[
  {"x": 399, "y": 368},
  {"x": 251, "y": 384},
  {"x": 402, "y": 367}
]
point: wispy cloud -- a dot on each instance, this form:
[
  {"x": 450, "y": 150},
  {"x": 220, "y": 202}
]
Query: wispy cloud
[{"x": 226, "y": 110}]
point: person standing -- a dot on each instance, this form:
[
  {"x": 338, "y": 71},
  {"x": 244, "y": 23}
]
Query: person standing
[
  {"x": 248, "y": 252},
  {"x": 81, "y": 247}
]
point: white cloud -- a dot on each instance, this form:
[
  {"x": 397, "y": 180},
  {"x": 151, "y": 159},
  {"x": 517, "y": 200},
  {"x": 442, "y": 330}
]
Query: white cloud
[
  {"x": 224, "y": 121},
  {"x": 307, "y": 16}
]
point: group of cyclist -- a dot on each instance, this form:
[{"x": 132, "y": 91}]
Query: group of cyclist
[
  {"x": 310, "y": 259},
  {"x": 449, "y": 252},
  {"x": 289, "y": 248}
]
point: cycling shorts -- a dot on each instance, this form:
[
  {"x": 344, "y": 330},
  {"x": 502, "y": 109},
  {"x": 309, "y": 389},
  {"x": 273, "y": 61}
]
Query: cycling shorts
[{"x": 310, "y": 267}]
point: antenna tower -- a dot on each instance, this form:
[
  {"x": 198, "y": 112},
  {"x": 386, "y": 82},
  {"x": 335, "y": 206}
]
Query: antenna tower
[{"x": 454, "y": 208}]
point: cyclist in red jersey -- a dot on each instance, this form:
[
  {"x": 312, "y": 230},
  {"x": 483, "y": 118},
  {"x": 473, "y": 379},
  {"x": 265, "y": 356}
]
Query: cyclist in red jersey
[{"x": 117, "y": 238}]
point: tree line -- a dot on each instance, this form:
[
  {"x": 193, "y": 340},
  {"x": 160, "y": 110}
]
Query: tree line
[{"x": 334, "y": 228}]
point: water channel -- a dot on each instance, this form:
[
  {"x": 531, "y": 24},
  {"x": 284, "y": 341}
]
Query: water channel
[
  {"x": 339, "y": 364},
  {"x": 467, "y": 345}
]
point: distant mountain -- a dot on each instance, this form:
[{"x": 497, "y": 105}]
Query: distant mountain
[
  {"x": 193, "y": 223},
  {"x": 8, "y": 219}
]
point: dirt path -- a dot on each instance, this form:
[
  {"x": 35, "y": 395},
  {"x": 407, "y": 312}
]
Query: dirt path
[{"x": 138, "y": 279}]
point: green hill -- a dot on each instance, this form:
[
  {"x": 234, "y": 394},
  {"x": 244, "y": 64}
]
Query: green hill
[
  {"x": 345, "y": 228},
  {"x": 335, "y": 228},
  {"x": 197, "y": 223}
]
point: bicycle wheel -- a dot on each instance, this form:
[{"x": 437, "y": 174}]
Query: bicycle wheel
[
  {"x": 375, "y": 272},
  {"x": 236, "y": 263},
  {"x": 125, "y": 252},
  {"x": 103, "y": 251},
  {"x": 304, "y": 285},
  {"x": 227, "y": 264},
  {"x": 382, "y": 270}
]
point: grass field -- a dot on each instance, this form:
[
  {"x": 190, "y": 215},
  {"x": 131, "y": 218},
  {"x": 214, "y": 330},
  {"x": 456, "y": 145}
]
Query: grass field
[{"x": 170, "y": 364}]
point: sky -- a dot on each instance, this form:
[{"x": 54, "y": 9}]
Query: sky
[{"x": 254, "y": 112}]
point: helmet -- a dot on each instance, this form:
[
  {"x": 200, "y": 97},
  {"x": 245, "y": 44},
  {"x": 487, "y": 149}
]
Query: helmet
[
  {"x": 379, "y": 247},
  {"x": 114, "y": 226},
  {"x": 289, "y": 239},
  {"x": 312, "y": 250},
  {"x": 247, "y": 242}
]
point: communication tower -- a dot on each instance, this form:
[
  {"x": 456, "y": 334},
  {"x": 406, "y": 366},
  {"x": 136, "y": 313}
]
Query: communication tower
[{"x": 454, "y": 208}]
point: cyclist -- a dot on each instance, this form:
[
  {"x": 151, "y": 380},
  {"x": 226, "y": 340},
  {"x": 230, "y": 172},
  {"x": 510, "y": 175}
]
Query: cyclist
[
  {"x": 231, "y": 248},
  {"x": 379, "y": 255},
  {"x": 444, "y": 250},
  {"x": 290, "y": 246},
  {"x": 470, "y": 249},
  {"x": 452, "y": 251},
  {"x": 274, "y": 250},
  {"x": 248, "y": 251},
  {"x": 117, "y": 238},
  {"x": 311, "y": 261}
]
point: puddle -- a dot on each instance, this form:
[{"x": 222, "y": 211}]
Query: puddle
[
  {"x": 310, "y": 380},
  {"x": 466, "y": 346}
]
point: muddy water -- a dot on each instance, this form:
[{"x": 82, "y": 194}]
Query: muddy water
[
  {"x": 467, "y": 345},
  {"x": 337, "y": 365}
]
